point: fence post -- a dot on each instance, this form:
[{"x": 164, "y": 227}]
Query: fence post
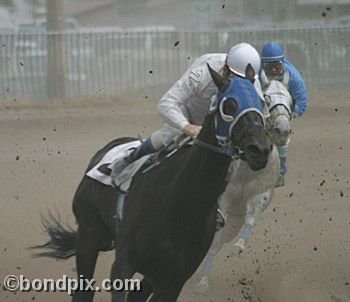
[{"x": 55, "y": 50}]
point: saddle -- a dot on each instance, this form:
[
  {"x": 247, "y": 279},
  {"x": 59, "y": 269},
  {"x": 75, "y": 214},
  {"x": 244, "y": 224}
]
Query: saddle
[{"x": 102, "y": 172}]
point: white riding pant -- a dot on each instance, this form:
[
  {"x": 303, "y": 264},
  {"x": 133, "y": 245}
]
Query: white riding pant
[
  {"x": 164, "y": 136},
  {"x": 167, "y": 133}
]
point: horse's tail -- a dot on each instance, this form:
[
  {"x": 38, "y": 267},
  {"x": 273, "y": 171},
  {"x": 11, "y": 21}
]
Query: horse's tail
[{"x": 63, "y": 239}]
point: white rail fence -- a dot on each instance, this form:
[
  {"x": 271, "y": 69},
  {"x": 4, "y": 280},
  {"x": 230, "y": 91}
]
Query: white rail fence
[{"x": 143, "y": 64}]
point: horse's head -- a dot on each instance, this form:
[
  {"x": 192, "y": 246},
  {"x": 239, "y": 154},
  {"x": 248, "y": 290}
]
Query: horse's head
[
  {"x": 239, "y": 122},
  {"x": 279, "y": 103}
]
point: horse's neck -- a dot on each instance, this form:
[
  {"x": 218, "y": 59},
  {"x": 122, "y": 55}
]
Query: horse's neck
[
  {"x": 242, "y": 174},
  {"x": 202, "y": 176},
  {"x": 207, "y": 164},
  {"x": 207, "y": 133},
  {"x": 245, "y": 183}
]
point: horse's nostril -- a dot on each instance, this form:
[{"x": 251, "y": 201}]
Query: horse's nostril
[{"x": 286, "y": 133}]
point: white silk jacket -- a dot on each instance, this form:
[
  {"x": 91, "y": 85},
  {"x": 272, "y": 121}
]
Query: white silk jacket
[{"x": 190, "y": 95}]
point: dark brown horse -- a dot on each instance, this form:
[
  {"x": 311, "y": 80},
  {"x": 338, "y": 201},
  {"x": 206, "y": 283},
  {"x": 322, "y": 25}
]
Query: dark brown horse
[{"x": 170, "y": 216}]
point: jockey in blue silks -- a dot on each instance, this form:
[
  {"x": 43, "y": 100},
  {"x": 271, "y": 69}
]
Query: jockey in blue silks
[{"x": 276, "y": 67}]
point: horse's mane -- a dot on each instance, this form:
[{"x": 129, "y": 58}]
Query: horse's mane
[
  {"x": 279, "y": 91},
  {"x": 277, "y": 87}
]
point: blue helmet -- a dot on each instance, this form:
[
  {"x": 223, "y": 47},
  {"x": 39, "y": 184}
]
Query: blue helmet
[{"x": 272, "y": 52}]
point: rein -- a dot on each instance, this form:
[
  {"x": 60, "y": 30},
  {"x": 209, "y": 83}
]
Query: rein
[{"x": 234, "y": 153}]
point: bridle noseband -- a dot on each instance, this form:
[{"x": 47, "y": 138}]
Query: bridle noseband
[{"x": 272, "y": 119}]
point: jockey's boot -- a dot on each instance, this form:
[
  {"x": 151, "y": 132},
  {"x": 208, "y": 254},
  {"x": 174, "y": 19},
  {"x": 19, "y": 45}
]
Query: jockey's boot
[
  {"x": 144, "y": 149},
  {"x": 220, "y": 220},
  {"x": 280, "y": 181}
]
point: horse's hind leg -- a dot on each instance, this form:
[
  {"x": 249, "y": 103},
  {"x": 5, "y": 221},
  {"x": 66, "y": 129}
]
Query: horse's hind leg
[
  {"x": 143, "y": 294},
  {"x": 121, "y": 270},
  {"x": 87, "y": 252}
]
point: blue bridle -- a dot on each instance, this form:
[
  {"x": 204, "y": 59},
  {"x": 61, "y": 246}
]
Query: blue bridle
[{"x": 247, "y": 100}]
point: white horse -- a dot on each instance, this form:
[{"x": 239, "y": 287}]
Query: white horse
[
  {"x": 250, "y": 192},
  {"x": 280, "y": 105}
]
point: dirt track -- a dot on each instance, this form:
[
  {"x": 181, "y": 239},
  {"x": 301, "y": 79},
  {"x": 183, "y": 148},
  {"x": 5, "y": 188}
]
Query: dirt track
[{"x": 299, "y": 250}]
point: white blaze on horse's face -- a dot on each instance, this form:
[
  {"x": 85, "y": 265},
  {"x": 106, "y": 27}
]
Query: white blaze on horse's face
[{"x": 279, "y": 103}]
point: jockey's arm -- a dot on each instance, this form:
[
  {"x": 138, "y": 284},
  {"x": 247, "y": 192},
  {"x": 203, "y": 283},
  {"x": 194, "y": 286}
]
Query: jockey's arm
[
  {"x": 298, "y": 92},
  {"x": 172, "y": 104}
]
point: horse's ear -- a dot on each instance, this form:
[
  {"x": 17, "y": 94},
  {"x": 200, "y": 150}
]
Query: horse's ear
[
  {"x": 250, "y": 73},
  {"x": 220, "y": 81}
]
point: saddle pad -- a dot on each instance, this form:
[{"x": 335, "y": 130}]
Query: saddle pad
[{"x": 123, "y": 180}]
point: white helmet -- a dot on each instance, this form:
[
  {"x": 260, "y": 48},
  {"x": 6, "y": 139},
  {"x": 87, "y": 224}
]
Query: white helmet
[{"x": 240, "y": 55}]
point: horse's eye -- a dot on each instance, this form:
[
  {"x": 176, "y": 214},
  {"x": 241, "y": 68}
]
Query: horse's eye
[{"x": 229, "y": 107}]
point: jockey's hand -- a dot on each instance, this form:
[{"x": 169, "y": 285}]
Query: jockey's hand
[
  {"x": 296, "y": 112},
  {"x": 191, "y": 130},
  {"x": 295, "y": 115}
]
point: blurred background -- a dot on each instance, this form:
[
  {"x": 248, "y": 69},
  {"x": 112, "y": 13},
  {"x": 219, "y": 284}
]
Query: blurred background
[{"x": 112, "y": 49}]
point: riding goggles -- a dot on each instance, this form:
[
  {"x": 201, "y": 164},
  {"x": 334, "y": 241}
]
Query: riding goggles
[{"x": 273, "y": 67}]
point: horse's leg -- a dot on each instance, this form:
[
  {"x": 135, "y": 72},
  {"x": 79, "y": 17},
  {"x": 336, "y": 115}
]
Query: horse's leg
[
  {"x": 121, "y": 270},
  {"x": 143, "y": 294},
  {"x": 255, "y": 206},
  {"x": 87, "y": 252},
  {"x": 203, "y": 284},
  {"x": 93, "y": 232}
]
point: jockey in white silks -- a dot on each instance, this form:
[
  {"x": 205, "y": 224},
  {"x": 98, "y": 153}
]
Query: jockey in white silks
[
  {"x": 185, "y": 105},
  {"x": 276, "y": 67}
]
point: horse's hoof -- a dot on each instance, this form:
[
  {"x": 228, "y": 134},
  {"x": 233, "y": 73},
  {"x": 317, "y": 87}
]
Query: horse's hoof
[
  {"x": 280, "y": 181},
  {"x": 238, "y": 247},
  {"x": 202, "y": 286}
]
